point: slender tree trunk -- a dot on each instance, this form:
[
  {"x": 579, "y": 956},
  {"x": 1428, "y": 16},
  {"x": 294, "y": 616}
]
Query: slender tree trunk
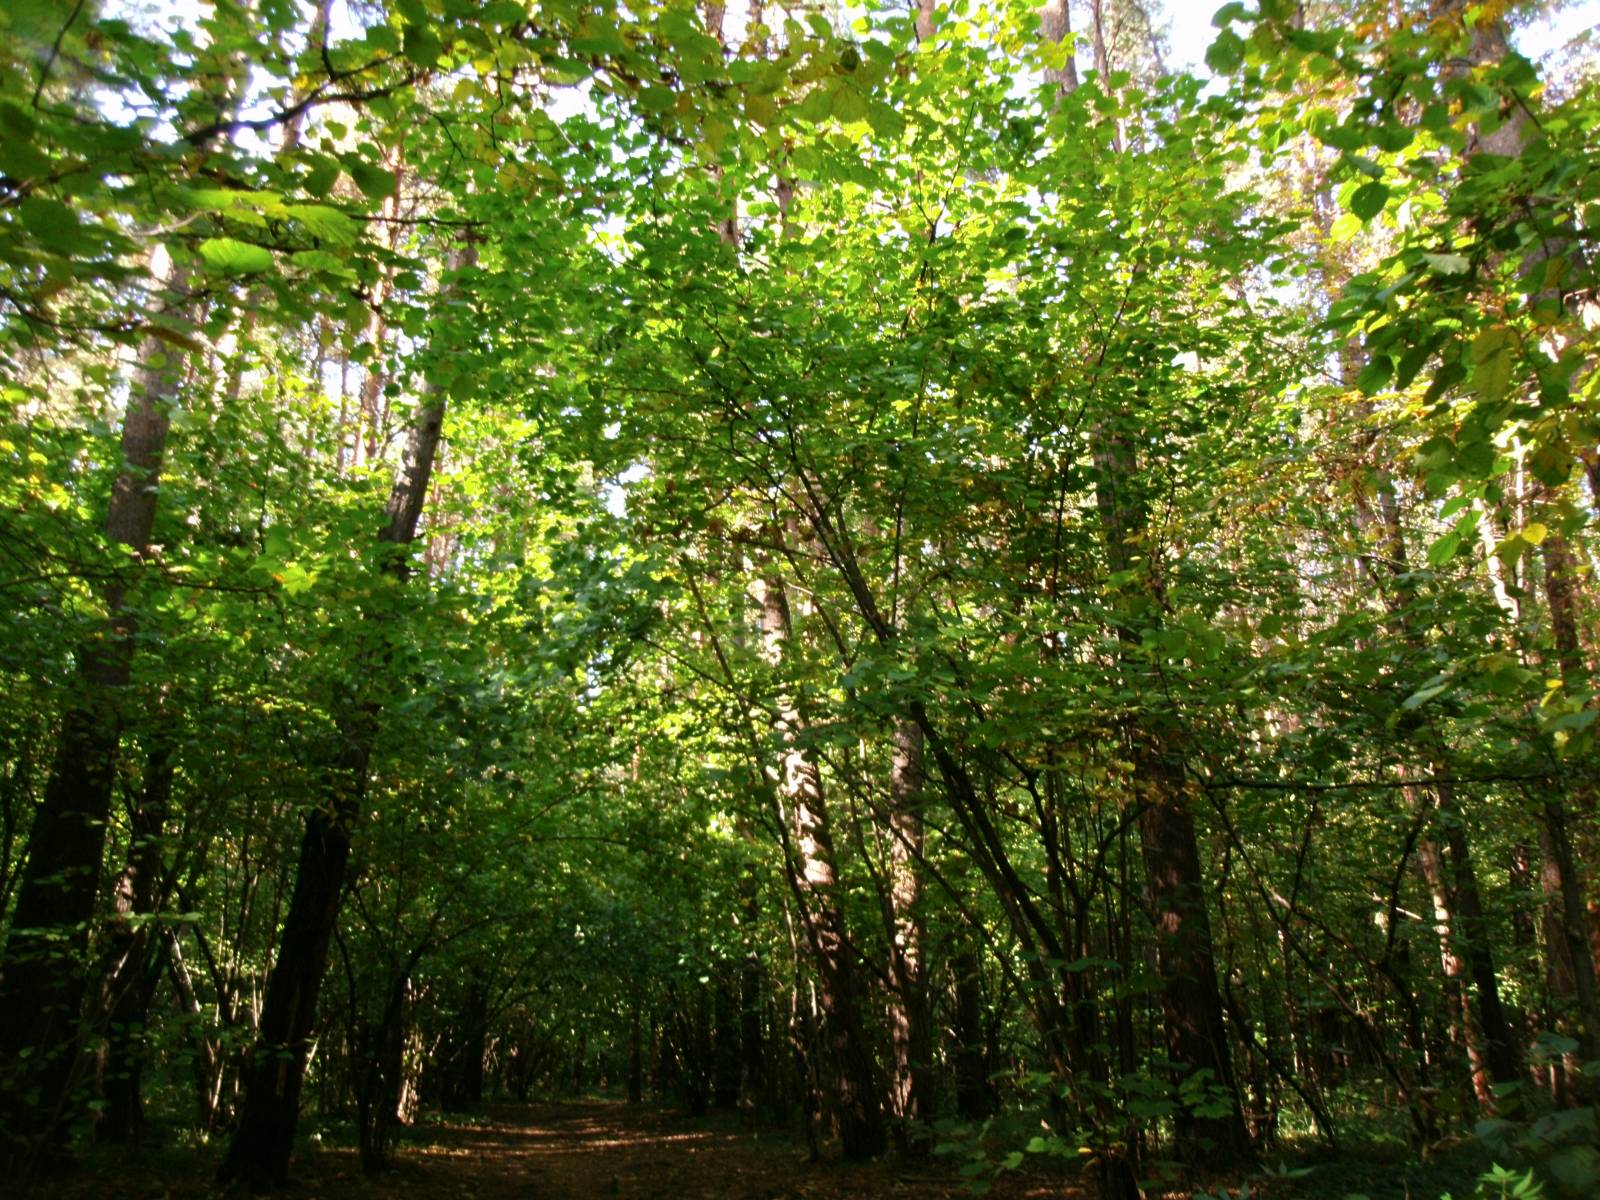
[
  {"x": 752, "y": 1071},
  {"x": 1563, "y": 877},
  {"x": 726, "y": 1055},
  {"x": 815, "y": 882},
  {"x": 973, "y": 1097},
  {"x": 1458, "y": 1008},
  {"x": 466, "y": 1071},
  {"x": 261, "y": 1147},
  {"x": 209, "y": 1064},
  {"x": 910, "y": 1089},
  {"x": 384, "y": 1086},
  {"x": 635, "y": 1056},
  {"x": 129, "y": 977},
  {"x": 1458, "y": 903},
  {"x": 42, "y": 988}
]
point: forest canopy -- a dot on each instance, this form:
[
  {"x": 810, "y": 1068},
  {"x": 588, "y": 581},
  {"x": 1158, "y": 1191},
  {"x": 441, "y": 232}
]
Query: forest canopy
[{"x": 969, "y": 581}]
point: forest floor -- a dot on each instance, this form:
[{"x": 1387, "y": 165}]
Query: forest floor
[
  {"x": 568, "y": 1151},
  {"x": 604, "y": 1148}
]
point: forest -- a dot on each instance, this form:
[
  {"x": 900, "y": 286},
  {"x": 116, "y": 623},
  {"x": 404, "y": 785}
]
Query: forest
[{"x": 915, "y": 598}]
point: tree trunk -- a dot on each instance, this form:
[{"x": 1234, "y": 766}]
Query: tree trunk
[
  {"x": 970, "y": 1054},
  {"x": 1457, "y": 899},
  {"x": 635, "y": 1057},
  {"x": 813, "y": 876},
  {"x": 42, "y": 988},
  {"x": 129, "y": 978},
  {"x": 260, "y": 1150},
  {"x": 465, "y": 1088},
  {"x": 752, "y": 1071},
  {"x": 726, "y": 1055},
  {"x": 1563, "y": 876},
  {"x": 1191, "y": 1005},
  {"x": 910, "y": 1089}
]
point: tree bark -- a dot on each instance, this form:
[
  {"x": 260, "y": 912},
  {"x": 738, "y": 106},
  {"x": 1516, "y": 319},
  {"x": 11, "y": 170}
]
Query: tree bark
[
  {"x": 910, "y": 1036},
  {"x": 42, "y": 988},
  {"x": 261, "y": 1147},
  {"x": 128, "y": 976},
  {"x": 814, "y": 879},
  {"x": 974, "y": 1099}
]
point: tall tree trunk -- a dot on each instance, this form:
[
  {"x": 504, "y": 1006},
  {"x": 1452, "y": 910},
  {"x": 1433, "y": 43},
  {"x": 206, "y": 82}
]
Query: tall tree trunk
[
  {"x": 1192, "y": 1010},
  {"x": 466, "y": 1070},
  {"x": 42, "y": 988},
  {"x": 1566, "y": 881},
  {"x": 753, "y": 1067},
  {"x": 1490, "y": 43},
  {"x": 208, "y": 1062},
  {"x": 129, "y": 977},
  {"x": 1463, "y": 1029},
  {"x": 973, "y": 1095},
  {"x": 635, "y": 1056},
  {"x": 261, "y": 1147},
  {"x": 1191, "y": 1002},
  {"x": 1055, "y": 25},
  {"x": 726, "y": 1053},
  {"x": 815, "y": 882},
  {"x": 910, "y": 1090},
  {"x": 1478, "y": 1017}
]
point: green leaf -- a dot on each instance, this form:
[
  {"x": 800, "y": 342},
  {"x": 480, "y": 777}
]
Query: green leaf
[
  {"x": 849, "y": 104},
  {"x": 235, "y": 257},
  {"x": 1448, "y": 264},
  {"x": 1226, "y": 53},
  {"x": 325, "y": 223},
  {"x": 322, "y": 260},
  {"x": 19, "y": 158},
  {"x": 323, "y": 175},
  {"x": 1491, "y": 351},
  {"x": 421, "y": 45},
  {"x": 1476, "y": 459},
  {"x": 54, "y": 224},
  {"x": 1420, "y": 697},
  {"x": 1374, "y": 375},
  {"x": 1367, "y": 201},
  {"x": 1444, "y": 549},
  {"x": 375, "y": 183}
]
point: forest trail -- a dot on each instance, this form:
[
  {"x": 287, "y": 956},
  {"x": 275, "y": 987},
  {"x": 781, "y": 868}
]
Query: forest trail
[
  {"x": 578, "y": 1150},
  {"x": 563, "y": 1151}
]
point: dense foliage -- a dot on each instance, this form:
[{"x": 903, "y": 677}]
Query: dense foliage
[{"x": 909, "y": 571}]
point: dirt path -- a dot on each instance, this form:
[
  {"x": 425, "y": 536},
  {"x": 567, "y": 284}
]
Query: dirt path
[
  {"x": 555, "y": 1152},
  {"x": 597, "y": 1149}
]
